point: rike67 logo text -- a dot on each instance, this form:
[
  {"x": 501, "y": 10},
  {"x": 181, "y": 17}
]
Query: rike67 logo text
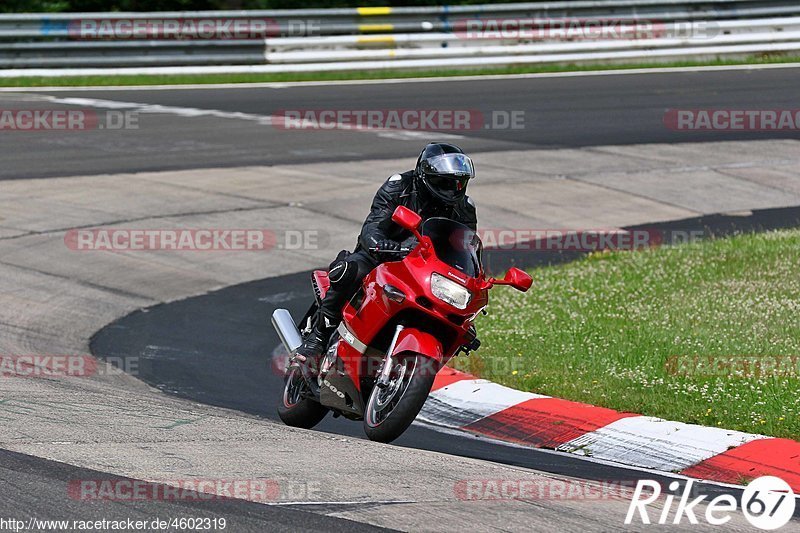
[{"x": 768, "y": 503}]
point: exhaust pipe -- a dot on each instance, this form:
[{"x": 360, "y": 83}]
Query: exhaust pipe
[{"x": 287, "y": 330}]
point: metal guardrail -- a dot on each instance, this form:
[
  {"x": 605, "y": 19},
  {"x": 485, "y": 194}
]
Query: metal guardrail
[
  {"x": 410, "y": 19},
  {"x": 367, "y": 38}
]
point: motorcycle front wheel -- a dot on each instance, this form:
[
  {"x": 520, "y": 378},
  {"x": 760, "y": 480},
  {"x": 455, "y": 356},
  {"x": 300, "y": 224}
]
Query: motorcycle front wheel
[
  {"x": 390, "y": 410},
  {"x": 295, "y": 409}
]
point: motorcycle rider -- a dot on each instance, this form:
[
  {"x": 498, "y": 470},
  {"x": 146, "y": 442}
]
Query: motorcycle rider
[{"x": 435, "y": 188}]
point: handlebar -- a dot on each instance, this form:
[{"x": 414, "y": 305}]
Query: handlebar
[{"x": 375, "y": 249}]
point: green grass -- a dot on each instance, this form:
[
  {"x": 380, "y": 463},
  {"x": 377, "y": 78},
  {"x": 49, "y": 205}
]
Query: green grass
[
  {"x": 601, "y": 330},
  {"x": 363, "y": 75}
]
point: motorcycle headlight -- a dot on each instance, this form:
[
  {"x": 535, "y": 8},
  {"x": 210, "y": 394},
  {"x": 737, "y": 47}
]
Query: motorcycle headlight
[{"x": 449, "y": 291}]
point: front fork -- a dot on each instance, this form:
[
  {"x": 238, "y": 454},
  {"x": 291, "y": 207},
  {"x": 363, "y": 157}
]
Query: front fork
[{"x": 386, "y": 367}]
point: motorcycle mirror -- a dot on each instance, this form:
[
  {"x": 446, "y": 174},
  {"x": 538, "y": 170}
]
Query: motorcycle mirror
[
  {"x": 519, "y": 279},
  {"x": 407, "y": 219}
]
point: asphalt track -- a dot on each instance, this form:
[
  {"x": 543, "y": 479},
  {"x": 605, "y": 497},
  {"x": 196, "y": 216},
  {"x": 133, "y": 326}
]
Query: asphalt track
[
  {"x": 558, "y": 112},
  {"x": 217, "y": 349},
  {"x": 185, "y": 347},
  {"x": 37, "y": 489}
]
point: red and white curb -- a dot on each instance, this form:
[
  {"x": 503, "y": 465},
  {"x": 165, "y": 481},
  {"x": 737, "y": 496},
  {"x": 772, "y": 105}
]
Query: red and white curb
[{"x": 461, "y": 401}]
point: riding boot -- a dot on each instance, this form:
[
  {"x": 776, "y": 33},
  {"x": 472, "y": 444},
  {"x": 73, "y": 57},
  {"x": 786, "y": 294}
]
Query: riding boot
[{"x": 316, "y": 341}]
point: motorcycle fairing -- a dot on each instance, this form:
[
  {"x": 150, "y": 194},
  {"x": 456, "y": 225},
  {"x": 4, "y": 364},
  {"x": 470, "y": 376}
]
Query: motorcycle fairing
[
  {"x": 421, "y": 342},
  {"x": 321, "y": 283},
  {"x": 337, "y": 388}
]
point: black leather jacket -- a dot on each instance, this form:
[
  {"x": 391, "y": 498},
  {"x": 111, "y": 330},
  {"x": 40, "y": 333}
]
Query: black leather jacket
[{"x": 402, "y": 189}]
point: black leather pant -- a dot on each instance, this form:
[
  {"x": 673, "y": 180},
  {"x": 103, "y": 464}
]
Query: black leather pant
[{"x": 345, "y": 281}]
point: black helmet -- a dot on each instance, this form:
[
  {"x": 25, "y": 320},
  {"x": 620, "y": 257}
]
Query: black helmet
[{"x": 445, "y": 170}]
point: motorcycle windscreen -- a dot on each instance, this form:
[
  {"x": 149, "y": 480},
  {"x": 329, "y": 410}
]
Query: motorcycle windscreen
[{"x": 455, "y": 244}]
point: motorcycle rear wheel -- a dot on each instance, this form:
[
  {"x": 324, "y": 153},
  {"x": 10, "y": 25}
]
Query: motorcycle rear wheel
[
  {"x": 392, "y": 409},
  {"x": 296, "y": 410}
]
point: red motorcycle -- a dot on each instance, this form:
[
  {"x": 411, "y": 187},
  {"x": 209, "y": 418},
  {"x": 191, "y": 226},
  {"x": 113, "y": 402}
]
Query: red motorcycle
[{"x": 409, "y": 318}]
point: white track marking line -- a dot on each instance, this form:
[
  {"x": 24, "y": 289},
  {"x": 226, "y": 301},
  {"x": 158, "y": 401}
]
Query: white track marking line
[
  {"x": 355, "y": 502},
  {"x": 414, "y": 135},
  {"x": 187, "y": 112},
  {"x": 392, "y": 81},
  {"x": 264, "y": 120}
]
